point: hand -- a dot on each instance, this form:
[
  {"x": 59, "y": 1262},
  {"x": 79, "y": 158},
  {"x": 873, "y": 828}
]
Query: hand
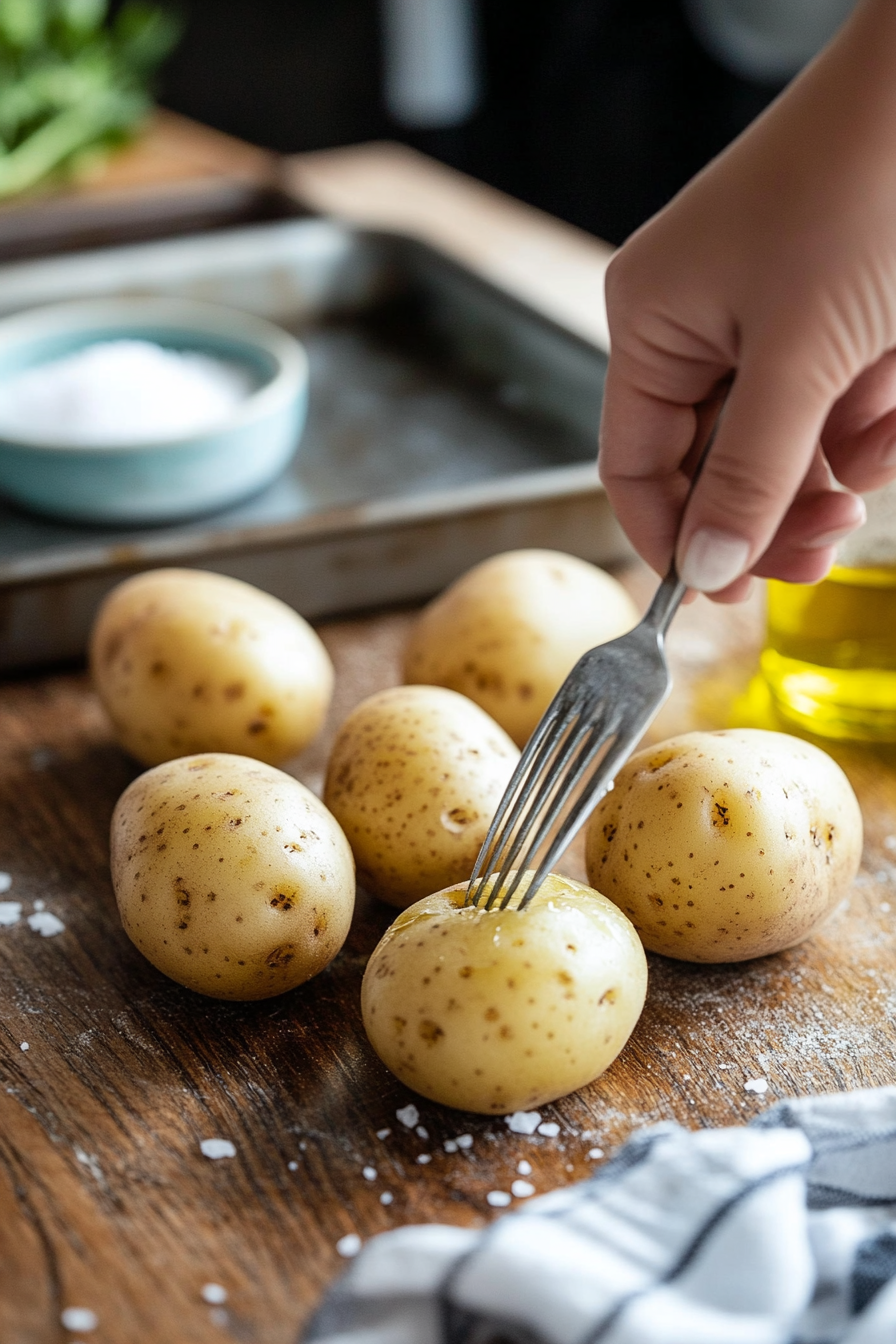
[{"x": 773, "y": 273}]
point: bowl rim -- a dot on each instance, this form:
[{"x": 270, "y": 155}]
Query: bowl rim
[{"x": 190, "y": 316}]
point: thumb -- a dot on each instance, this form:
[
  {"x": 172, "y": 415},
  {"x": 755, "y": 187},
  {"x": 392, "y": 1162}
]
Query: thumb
[{"x": 765, "y": 444}]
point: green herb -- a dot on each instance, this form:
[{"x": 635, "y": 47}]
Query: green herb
[{"x": 72, "y": 81}]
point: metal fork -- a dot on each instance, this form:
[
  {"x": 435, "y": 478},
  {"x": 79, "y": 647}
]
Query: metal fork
[{"x": 605, "y": 705}]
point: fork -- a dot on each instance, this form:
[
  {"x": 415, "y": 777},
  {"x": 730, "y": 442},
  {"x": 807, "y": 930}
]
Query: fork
[{"x": 605, "y": 705}]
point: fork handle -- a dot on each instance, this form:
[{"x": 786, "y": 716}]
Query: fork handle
[{"x": 666, "y": 601}]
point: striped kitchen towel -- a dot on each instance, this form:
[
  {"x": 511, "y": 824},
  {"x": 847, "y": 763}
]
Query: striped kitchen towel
[{"x": 782, "y": 1232}]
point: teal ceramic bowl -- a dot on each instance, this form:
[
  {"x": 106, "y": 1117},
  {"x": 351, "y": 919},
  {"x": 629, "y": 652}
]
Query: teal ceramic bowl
[{"x": 172, "y": 479}]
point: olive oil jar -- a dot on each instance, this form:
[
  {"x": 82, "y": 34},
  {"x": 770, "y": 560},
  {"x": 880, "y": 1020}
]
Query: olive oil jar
[{"x": 830, "y": 654}]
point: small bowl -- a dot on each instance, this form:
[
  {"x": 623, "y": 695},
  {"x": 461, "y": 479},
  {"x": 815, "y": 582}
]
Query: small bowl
[{"x": 171, "y": 479}]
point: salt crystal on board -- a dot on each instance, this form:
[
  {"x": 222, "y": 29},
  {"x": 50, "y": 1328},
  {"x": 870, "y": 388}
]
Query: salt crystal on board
[
  {"x": 450, "y": 1146},
  {"x": 5, "y": 881},
  {"x": 464, "y": 1140},
  {"x": 386, "y": 1197},
  {"x": 522, "y": 1189},
  {"x": 369, "y": 1173},
  {"x": 550, "y": 1129},
  {"x": 421, "y": 1132},
  {"x": 408, "y": 1115},
  {"x": 292, "y": 1166},
  {"x": 45, "y": 924},
  {"x": 80, "y": 1318},
  {"x": 213, "y": 1293},
  {"x": 349, "y": 1245},
  {"x": 885, "y": 907},
  {"x": 24, "y": 1046},
  {"x": 10, "y": 913},
  {"x": 594, "y": 1154},
  {"x": 40, "y": 905},
  {"x": 217, "y": 1148},
  {"x": 423, "y": 1159},
  {"x": 758, "y": 1085},
  {"x": 498, "y": 1199},
  {"x": 523, "y": 1122},
  {"x": 524, "y": 1168},
  {"x": 383, "y": 1133}
]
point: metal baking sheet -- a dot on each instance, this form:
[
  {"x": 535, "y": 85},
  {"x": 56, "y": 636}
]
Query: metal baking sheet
[{"x": 448, "y": 422}]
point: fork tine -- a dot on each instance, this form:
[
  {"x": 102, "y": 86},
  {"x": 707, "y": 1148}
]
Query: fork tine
[
  {"x": 586, "y": 803},
  {"x": 541, "y": 784},
  {"x": 595, "y": 738},
  {"x": 537, "y": 751}
]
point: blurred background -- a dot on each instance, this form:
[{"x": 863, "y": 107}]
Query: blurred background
[{"x": 595, "y": 110}]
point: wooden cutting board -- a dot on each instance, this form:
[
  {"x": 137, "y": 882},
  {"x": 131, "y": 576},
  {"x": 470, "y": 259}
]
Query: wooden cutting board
[{"x": 105, "y": 1199}]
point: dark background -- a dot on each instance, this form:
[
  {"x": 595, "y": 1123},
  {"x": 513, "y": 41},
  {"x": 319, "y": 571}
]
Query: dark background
[{"x": 596, "y": 110}]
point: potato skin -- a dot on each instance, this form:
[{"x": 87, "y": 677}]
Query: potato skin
[
  {"x": 497, "y": 1011},
  {"x": 414, "y": 778},
  {"x": 508, "y": 632},
  {"x": 230, "y": 876},
  {"x": 726, "y": 846},
  {"x": 186, "y": 661}
]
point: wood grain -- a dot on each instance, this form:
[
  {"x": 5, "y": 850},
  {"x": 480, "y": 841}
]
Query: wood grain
[{"x": 107, "y": 1201}]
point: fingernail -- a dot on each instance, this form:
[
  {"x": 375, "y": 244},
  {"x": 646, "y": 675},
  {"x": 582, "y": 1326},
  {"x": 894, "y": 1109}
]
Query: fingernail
[{"x": 713, "y": 559}]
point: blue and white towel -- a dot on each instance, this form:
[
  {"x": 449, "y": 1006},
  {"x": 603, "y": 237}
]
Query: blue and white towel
[{"x": 783, "y": 1232}]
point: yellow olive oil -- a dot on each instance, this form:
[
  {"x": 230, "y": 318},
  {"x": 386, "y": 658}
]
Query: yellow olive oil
[{"x": 830, "y": 655}]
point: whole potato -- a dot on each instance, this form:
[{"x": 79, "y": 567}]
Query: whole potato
[
  {"x": 508, "y": 632},
  {"x": 414, "y": 779},
  {"x": 729, "y": 845},
  {"x": 230, "y": 876},
  {"x": 497, "y": 1011},
  {"x": 186, "y": 661}
]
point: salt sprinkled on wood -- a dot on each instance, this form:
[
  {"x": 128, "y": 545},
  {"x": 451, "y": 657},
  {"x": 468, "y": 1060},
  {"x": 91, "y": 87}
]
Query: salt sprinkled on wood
[
  {"x": 10, "y": 913},
  {"x": 383, "y": 1133},
  {"x": 80, "y": 1318},
  {"x": 46, "y": 924},
  {"x": 421, "y": 1132},
  {"x": 498, "y": 1199},
  {"x": 464, "y": 1140},
  {"x": 386, "y": 1197},
  {"x": 349, "y": 1245},
  {"x": 217, "y": 1148},
  {"x": 522, "y": 1189},
  {"x": 756, "y": 1085},
  {"x": 523, "y": 1122},
  {"x": 550, "y": 1129},
  {"x": 450, "y": 1146},
  {"x": 24, "y": 1046},
  {"x": 213, "y": 1293},
  {"x": 524, "y": 1168},
  {"x": 5, "y": 881},
  {"x": 424, "y": 1159},
  {"x": 594, "y": 1154},
  {"x": 292, "y": 1166},
  {"x": 408, "y": 1115},
  {"x": 369, "y": 1173}
]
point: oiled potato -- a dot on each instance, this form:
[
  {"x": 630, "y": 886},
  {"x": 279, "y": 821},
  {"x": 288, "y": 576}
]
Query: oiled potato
[
  {"x": 230, "y": 876},
  {"x": 187, "y": 661},
  {"x": 729, "y": 845},
  {"x": 507, "y": 633},
  {"x": 497, "y": 1011},
  {"x": 414, "y": 779}
]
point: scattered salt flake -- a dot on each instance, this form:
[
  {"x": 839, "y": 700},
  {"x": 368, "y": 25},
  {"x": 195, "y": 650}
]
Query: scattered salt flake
[
  {"x": 450, "y": 1146},
  {"x": 217, "y": 1148},
  {"x": 80, "y": 1318},
  {"x": 386, "y": 1197},
  {"x": 523, "y": 1122},
  {"x": 885, "y": 907},
  {"x": 213, "y": 1293},
  {"x": 723, "y": 1066},
  {"x": 421, "y": 1132},
  {"x": 890, "y": 842},
  {"x": 5, "y": 881},
  {"x": 522, "y": 1189},
  {"x": 349, "y": 1245},
  {"x": 594, "y": 1154},
  {"x": 464, "y": 1140},
  {"x": 685, "y": 1077},
  {"x": 10, "y": 912},
  {"x": 24, "y": 1046},
  {"x": 40, "y": 905},
  {"x": 550, "y": 1129},
  {"x": 292, "y": 1166},
  {"x": 524, "y": 1168},
  {"x": 408, "y": 1115},
  {"x": 499, "y": 1199},
  {"x": 45, "y": 924},
  {"x": 369, "y": 1173},
  {"x": 383, "y": 1133},
  {"x": 91, "y": 1162},
  {"x": 756, "y": 1085},
  {"x": 423, "y": 1159}
]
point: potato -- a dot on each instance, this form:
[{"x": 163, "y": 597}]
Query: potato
[
  {"x": 230, "y": 876},
  {"x": 498, "y": 1011},
  {"x": 729, "y": 845},
  {"x": 509, "y": 631},
  {"x": 186, "y": 661},
  {"x": 414, "y": 779}
]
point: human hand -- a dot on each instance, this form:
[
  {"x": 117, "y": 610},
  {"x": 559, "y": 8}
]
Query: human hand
[{"x": 772, "y": 273}]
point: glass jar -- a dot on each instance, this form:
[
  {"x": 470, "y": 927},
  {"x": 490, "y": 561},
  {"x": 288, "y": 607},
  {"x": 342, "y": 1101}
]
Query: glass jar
[{"x": 830, "y": 654}]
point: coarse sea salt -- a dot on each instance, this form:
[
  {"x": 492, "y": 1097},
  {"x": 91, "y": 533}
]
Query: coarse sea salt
[
  {"x": 464, "y": 1141},
  {"x": 126, "y": 393},
  {"x": 5, "y": 881},
  {"x": 550, "y": 1129},
  {"x": 758, "y": 1085},
  {"x": 523, "y": 1122},
  {"x": 408, "y": 1115},
  {"x": 217, "y": 1148},
  {"x": 424, "y": 1159},
  {"x": 386, "y": 1197},
  {"x": 383, "y": 1133},
  {"x": 213, "y": 1293},
  {"x": 498, "y": 1199},
  {"x": 524, "y": 1168},
  {"x": 369, "y": 1173},
  {"x": 594, "y": 1154},
  {"x": 522, "y": 1189},
  {"x": 45, "y": 923},
  {"x": 349, "y": 1245},
  {"x": 80, "y": 1318},
  {"x": 10, "y": 913}
]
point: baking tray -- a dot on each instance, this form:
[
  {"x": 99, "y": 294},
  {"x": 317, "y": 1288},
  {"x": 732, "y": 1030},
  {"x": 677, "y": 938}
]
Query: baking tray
[{"x": 448, "y": 422}]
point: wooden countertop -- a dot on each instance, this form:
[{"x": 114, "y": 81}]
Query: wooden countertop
[{"x": 108, "y": 1203}]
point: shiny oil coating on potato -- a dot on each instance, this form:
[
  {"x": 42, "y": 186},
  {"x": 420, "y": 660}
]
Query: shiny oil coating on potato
[
  {"x": 497, "y": 1011},
  {"x": 508, "y": 632},
  {"x": 414, "y": 778},
  {"x": 187, "y": 661},
  {"x": 725, "y": 846},
  {"x": 230, "y": 876}
]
